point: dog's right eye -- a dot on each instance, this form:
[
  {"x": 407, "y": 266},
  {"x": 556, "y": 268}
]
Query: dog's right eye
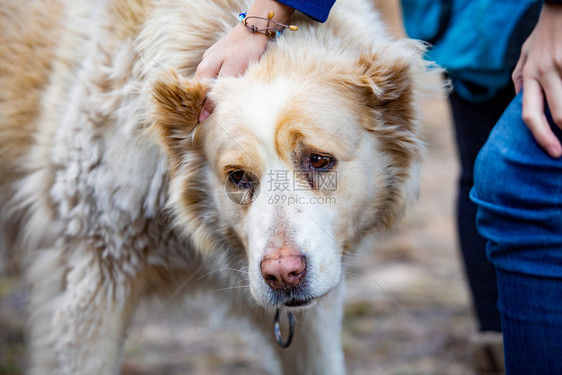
[
  {"x": 321, "y": 162},
  {"x": 241, "y": 179}
]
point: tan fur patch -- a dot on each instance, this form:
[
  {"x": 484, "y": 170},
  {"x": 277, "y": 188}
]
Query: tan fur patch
[
  {"x": 177, "y": 113},
  {"x": 298, "y": 126},
  {"x": 230, "y": 158},
  {"x": 386, "y": 88},
  {"x": 395, "y": 108},
  {"x": 391, "y": 116},
  {"x": 27, "y": 38},
  {"x": 130, "y": 15},
  {"x": 287, "y": 135}
]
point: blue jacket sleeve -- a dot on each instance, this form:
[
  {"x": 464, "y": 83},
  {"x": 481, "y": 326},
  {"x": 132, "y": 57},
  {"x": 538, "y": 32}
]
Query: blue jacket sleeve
[{"x": 315, "y": 9}]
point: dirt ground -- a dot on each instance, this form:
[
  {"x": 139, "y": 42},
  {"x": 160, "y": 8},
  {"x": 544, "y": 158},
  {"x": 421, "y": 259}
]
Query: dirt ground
[{"x": 407, "y": 308}]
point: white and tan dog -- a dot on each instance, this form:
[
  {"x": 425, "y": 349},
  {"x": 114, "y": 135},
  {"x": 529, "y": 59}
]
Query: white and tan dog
[{"x": 115, "y": 194}]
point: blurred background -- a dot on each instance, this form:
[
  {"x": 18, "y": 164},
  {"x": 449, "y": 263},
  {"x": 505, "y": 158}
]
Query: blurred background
[{"x": 407, "y": 307}]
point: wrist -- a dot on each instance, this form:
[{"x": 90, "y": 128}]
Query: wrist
[
  {"x": 552, "y": 6},
  {"x": 551, "y": 13},
  {"x": 267, "y": 17},
  {"x": 261, "y": 8},
  {"x": 244, "y": 32}
]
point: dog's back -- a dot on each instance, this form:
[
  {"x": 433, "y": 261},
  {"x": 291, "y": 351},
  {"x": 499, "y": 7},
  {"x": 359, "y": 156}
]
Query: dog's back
[
  {"x": 79, "y": 185},
  {"x": 52, "y": 59},
  {"x": 27, "y": 38}
]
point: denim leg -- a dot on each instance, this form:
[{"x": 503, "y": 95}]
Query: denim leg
[
  {"x": 518, "y": 189},
  {"x": 531, "y": 309},
  {"x": 473, "y": 123}
]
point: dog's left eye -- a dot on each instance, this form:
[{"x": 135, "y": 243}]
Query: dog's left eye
[
  {"x": 241, "y": 179},
  {"x": 321, "y": 162},
  {"x": 242, "y": 186}
]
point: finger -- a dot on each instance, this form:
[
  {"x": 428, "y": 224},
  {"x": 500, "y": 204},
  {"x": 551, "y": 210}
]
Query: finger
[
  {"x": 534, "y": 117},
  {"x": 234, "y": 67},
  {"x": 208, "y": 68},
  {"x": 226, "y": 69},
  {"x": 206, "y": 110},
  {"x": 517, "y": 75},
  {"x": 552, "y": 87}
]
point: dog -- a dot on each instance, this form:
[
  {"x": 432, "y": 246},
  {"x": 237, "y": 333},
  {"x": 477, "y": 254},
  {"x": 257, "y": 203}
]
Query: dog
[{"x": 112, "y": 193}]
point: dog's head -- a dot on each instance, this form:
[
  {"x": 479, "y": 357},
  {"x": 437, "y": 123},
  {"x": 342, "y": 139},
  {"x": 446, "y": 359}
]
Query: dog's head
[{"x": 297, "y": 164}]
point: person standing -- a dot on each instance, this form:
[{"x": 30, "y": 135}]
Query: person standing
[
  {"x": 518, "y": 191},
  {"x": 478, "y": 42}
]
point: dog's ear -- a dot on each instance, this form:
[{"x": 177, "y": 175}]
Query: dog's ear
[
  {"x": 177, "y": 106},
  {"x": 383, "y": 79},
  {"x": 385, "y": 83}
]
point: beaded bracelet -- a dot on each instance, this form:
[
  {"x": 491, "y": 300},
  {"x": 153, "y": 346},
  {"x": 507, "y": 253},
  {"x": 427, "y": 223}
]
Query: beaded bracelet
[{"x": 270, "y": 31}]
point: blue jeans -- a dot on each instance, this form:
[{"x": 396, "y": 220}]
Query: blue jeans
[
  {"x": 518, "y": 190},
  {"x": 473, "y": 124}
]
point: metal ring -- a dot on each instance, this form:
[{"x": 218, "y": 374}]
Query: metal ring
[{"x": 277, "y": 329}]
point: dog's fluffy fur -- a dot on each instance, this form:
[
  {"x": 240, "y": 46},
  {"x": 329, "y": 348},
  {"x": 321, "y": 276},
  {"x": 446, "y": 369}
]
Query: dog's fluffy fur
[{"x": 112, "y": 193}]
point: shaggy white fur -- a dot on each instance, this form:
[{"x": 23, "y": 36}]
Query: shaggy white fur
[{"x": 115, "y": 194}]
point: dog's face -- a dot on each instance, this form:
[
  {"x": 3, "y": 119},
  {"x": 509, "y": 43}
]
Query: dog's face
[{"x": 293, "y": 167}]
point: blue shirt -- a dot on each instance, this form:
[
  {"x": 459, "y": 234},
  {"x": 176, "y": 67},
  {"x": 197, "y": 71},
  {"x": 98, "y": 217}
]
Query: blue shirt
[
  {"x": 477, "y": 41},
  {"x": 315, "y": 9}
]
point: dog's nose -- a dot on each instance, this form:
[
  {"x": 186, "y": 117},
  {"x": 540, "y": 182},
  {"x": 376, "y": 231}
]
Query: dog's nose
[{"x": 284, "y": 268}]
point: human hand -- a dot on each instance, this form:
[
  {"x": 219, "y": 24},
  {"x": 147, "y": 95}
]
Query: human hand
[
  {"x": 233, "y": 53},
  {"x": 230, "y": 56},
  {"x": 539, "y": 72}
]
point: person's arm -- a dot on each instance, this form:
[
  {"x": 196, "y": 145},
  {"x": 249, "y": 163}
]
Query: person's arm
[
  {"x": 539, "y": 74},
  {"x": 232, "y": 54},
  {"x": 315, "y": 9}
]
